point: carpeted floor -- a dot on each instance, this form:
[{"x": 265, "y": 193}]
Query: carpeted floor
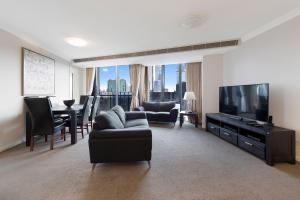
[{"x": 187, "y": 163}]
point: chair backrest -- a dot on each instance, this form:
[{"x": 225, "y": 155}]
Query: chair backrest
[
  {"x": 42, "y": 122},
  {"x": 83, "y": 99},
  {"x": 95, "y": 108},
  {"x": 86, "y": 110}
]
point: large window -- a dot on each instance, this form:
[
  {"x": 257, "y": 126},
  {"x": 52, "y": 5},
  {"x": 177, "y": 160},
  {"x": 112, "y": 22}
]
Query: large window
[
  {"x": 114, "y": 87},
  {"x": 168, "y": 82},
  {"x": 124, "y": 95}
]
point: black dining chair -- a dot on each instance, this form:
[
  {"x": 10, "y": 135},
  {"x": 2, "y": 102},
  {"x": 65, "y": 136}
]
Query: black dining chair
[
  {"x": 94, "y": 110},
  {"x": 83, "y": 99},
  {"x": 83, "y": 120},
  {"x": 42, "y": 121},
  {"x": 83, "y": 116}
]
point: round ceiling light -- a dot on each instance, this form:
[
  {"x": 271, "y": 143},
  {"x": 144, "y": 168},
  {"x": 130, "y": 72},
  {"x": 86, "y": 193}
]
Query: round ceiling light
[
  {"x": 191, "y": 21},
  {"x": 77, "y": 42}
]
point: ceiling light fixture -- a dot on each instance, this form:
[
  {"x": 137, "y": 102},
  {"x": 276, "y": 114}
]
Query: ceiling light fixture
[
  {"x": 191, "y": 21},
  {"x": 77, "y": 42}
]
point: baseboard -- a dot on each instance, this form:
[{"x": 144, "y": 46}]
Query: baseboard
[{"x": 9, "y": 146}]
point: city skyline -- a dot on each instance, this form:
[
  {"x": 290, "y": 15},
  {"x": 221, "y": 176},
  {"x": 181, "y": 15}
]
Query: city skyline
[{"x": 109, "y": 73}]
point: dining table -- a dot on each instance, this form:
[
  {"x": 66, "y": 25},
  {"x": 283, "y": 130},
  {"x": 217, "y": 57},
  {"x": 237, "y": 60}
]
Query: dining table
[{"x": 60, "y": 110}]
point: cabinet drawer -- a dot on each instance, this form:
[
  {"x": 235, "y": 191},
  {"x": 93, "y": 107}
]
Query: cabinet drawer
[
  {"x": 252, "y": 146},
  {"x": 228, "y": 136},
  {"x": 215, "y": 129}
]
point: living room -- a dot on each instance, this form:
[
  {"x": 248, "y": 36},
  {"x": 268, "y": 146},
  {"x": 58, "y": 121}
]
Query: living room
[{"x": 156, "y": 61}]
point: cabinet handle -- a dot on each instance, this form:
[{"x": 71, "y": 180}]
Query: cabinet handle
[
  {"x": 249, "y": 144},
  {"x": 227, "y": 134}
]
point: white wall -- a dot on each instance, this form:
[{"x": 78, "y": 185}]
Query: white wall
[
  {"x": 212, "y": 79},
  {"x": 12, "y": 129},
  {"x": 273, "y": 57}
]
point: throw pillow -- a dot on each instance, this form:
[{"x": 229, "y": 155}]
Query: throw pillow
[{"x": 108, "y": 120}]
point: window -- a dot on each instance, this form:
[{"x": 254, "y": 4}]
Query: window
[
  {"x": 157, "y": 83},
  {"x": 114, "y": 87},
  {"x": 168, "y": 82},
  {"x": 172, "y": 80},
  {"x": 124, "y": 94}
]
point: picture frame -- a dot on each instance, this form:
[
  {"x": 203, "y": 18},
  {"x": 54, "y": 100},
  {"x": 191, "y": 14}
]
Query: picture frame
[{"x": 38, "y": 74}]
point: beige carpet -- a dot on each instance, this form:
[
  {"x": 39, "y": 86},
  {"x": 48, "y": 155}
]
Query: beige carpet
[{"x": 187, "y": 164}]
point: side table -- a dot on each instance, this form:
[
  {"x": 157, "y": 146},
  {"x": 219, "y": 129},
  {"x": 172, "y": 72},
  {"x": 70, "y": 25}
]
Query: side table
[{"x": 194, "y": 115}]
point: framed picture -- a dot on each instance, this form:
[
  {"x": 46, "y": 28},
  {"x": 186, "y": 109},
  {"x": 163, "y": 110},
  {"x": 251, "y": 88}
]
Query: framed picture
[{"x": 38, "y": 74}]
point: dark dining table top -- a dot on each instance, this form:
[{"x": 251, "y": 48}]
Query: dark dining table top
[{"x": 62, "y": 108}]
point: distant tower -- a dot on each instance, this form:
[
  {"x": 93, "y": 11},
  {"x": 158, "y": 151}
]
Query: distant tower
[
  {"x": 111, "y": 86},
  {"x": 122, "y": 85}
]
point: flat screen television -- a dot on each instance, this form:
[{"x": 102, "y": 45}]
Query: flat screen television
[{"x": 246, "y": 101}]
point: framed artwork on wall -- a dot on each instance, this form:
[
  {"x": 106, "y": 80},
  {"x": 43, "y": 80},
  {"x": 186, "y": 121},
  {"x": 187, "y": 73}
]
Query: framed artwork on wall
[{"x": 38, "y": 74}]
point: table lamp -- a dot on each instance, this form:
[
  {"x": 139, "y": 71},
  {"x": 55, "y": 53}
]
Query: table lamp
[{"x": 189, "y": 97}]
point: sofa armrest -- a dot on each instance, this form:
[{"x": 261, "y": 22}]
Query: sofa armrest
[
  {"x": 135, "y": 115},
  {"x": 140, "y": 108},
  {"x": 174, "y": 114},
  {"x": 174, "y": 111}
]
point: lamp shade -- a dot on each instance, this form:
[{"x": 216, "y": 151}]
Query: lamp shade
[{"x": 189, "y": 96}]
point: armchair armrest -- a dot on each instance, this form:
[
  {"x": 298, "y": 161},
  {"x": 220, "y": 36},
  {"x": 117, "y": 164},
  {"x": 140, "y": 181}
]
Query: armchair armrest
[
  {"x": 140, "y": 108},
  {"x": 135, "y": 115}
]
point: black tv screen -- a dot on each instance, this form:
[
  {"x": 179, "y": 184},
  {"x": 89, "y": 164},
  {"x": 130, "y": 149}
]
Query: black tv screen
[{"x": 247, "y": 101}]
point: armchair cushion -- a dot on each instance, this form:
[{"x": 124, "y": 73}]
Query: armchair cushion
[
  {"x": 108, "y": 120},
  {"x": 120, "y": 112}
]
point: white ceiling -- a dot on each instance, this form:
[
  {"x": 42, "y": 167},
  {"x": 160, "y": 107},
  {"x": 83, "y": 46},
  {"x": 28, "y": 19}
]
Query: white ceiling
[{"x": 124, "y": 26}]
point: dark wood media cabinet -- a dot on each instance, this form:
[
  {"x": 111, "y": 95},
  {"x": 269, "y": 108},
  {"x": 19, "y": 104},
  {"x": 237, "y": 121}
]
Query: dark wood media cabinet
[{"x": 270, "y": 143}]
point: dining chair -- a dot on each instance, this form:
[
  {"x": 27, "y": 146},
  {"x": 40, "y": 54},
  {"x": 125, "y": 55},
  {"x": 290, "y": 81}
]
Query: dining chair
[
  {"x": 83, "y": 117},
  {"x": 94, "y": 110},
  {"x": 42, "y": 121},
  {"x": 83, "y": 99}
]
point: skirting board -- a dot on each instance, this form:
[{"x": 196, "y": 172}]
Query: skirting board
[{"x": 9, "y": 146}]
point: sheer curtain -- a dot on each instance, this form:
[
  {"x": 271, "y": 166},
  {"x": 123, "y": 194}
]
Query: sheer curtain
[
  {"x": 193, "y": 79},
  {"x": 144, "y": 85},
  {"x": 135, "y": 74},
  {"x": 90, "y": 78}
]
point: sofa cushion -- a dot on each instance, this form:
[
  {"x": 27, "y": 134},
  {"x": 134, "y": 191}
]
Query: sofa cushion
[
  {"x": 108, "y": 120},
  {"x": 158, "y": 116},
  {"x": 120, "y": 112},
  {"x": 166, "y": 106},
  {"x": 137, "y": 123},
  {"x": 151, "y": 106},
  {"x": 158, "y": 106}
]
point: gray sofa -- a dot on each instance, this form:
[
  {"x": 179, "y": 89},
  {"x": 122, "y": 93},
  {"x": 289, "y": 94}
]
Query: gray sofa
[
  {"x": 159, "y": 111},
  {"x": 119, "y": 136}
]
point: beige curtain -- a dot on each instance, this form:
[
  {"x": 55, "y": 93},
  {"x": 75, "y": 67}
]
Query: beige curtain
[
  {"x": 144, "y": 85},
  {"x": 135, "y": 71},
  {"x": 90, "y": 75},
  {"x": 193, "y": 79}
]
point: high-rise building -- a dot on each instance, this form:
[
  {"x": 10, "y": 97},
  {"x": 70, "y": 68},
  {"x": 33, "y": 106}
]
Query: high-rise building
[
  {"x": 122, "y": 85},
  {"x": 157, "y": 86},
  {"x": 111, "y": 86}
]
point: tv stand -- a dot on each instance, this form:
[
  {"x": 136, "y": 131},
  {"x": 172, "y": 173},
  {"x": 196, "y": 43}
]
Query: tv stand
[{"x": 269, "y": 143}]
